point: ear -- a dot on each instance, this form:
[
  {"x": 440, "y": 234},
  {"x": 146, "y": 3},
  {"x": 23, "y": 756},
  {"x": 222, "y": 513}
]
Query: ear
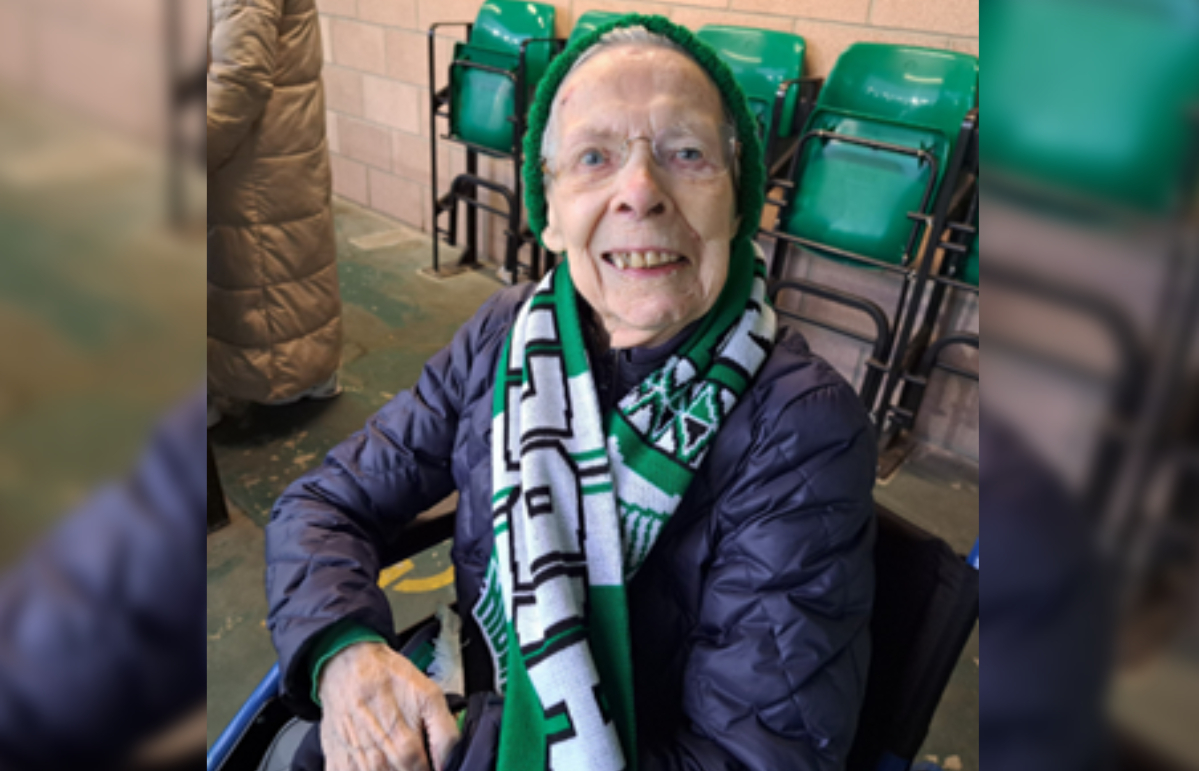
[{"x": 552, "y": 236}]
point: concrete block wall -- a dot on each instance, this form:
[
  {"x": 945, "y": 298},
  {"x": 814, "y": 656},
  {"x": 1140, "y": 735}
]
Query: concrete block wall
[{"x": 376, "y": 74}]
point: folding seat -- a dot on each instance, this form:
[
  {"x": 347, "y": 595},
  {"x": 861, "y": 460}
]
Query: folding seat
[
  {"x": 768, "y": 65},
  {"x": 487, "y": 71},
  {"x": 589, "y": 22},
  {"x": 921, "y": 352},
  {"x": 882, "y": 160},
  {"x": 492, "y": 78},
  {"x": 1090, "y": 144},
  {"x": 877, "y": 148},
  {"x": 1065, "y": 145},
  {"x": 1108, "y": 135}
]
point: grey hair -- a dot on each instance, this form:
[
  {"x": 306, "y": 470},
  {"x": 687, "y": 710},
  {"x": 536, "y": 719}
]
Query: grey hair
[{"x": 628, "y": 36}]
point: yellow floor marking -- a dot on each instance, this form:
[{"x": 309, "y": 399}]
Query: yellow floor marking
[
  {"x": 430, "y": 584},
  {"x": 395, "y": 573}
]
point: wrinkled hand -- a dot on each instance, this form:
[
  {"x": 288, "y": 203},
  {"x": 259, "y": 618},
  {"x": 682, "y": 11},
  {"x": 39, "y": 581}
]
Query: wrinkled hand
[{"x": 379, "y": 709}]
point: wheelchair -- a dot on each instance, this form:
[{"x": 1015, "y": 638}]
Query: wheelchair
[{"x": 926, "y": 607}]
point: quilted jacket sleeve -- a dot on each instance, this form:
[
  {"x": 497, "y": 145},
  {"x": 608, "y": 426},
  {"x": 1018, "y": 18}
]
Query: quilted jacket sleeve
[
  {"x": 242, "y": 46},
  {"x": 101, "y": 635},
  {"x": 333, "y": 529},
  {"x": 780, "y": 653}
]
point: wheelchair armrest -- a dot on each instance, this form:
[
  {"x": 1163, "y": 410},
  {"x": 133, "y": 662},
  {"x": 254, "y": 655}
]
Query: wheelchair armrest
[{"x": 247, "y": 737}]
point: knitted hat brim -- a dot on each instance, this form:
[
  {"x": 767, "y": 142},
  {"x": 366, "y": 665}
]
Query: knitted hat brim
[{"x": 751, "y": 192}]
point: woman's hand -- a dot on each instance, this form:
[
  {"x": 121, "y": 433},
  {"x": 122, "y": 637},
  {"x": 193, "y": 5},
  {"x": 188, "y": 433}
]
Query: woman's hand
[{"x": 379, "y": 712}]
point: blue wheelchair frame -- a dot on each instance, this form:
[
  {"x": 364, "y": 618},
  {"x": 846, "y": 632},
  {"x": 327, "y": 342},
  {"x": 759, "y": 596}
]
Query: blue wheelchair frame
[{"x": 263, "y": 695}]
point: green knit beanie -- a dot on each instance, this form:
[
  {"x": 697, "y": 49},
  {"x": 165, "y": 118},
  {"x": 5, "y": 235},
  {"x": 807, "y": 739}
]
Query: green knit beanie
[{"x": 751, "y": 192}]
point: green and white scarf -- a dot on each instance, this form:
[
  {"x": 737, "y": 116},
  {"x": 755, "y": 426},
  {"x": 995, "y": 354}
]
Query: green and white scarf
[{"x": 578, "y": 505}]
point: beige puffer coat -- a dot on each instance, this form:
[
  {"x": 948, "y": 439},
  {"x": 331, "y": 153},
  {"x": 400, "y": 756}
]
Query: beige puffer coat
[{"x": 274, "y": 308}]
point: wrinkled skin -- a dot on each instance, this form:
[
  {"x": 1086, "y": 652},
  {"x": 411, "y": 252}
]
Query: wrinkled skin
[
  {"x": 637, "y": 92},
  {"x": 380, "y": 711}
]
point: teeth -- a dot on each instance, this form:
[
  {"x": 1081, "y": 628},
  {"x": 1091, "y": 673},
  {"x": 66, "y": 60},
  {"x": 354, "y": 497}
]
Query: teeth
[{"x": 626, "y": 260}]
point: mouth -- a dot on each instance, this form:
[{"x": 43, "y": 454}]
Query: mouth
[{"x": 644, "y": 259}]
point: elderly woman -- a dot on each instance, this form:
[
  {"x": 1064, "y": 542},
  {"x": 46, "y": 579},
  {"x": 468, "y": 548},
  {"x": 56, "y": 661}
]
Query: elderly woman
[{"x": 664, "y": 533}]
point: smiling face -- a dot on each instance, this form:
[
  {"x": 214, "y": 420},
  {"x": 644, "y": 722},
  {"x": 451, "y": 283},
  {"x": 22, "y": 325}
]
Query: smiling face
[{"x": 648, "y": 249}]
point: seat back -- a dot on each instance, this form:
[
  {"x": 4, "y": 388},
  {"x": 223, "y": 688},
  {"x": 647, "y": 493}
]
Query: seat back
[
  {"x": 1102, "y": 113},
  {"x": 589, "y": 22},
  {"x": 483, "y": 103},
  {"x": 926, "y": 606},
  {"x": 857, "y": 198},
  {"x": 919, "y": 87},
  {"x": 503, "y": 24},
  {"x": 761, "y": 60}
]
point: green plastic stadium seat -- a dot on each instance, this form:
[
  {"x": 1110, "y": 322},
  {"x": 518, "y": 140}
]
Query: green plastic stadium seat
[
  {"x": 589, "y": 22},
  {"x": 857, "y": 198},
  {"x": 1105, "y": 113},
  {"x": 483, "y": 103},
  {"x": 761, "y": 60}
]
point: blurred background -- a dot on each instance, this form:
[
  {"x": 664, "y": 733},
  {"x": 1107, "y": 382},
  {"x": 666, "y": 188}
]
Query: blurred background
[{"x": 102, "y": 318}]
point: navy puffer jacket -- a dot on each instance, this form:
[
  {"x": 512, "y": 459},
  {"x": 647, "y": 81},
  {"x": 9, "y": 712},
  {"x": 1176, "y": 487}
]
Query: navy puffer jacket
[
  {"x": 750, "y": 618},
  {"x": 101, "y": 635}
]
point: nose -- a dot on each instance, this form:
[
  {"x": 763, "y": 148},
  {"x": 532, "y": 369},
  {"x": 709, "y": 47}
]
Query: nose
[{"x": 639, "y": 193}]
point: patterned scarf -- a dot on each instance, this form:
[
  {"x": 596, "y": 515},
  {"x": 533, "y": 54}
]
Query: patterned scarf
[{"x": 579, "y": 504}]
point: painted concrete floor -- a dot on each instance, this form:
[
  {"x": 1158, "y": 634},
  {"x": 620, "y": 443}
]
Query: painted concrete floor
[{"x": 395, "y": 319}]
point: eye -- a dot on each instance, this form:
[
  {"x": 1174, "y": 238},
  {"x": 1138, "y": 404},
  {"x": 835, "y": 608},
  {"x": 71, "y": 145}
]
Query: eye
[
  {"x": 590, "y": 158},
  {"x": 689, "y": 154}
]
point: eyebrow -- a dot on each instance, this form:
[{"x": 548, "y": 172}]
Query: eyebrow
[{"x": 593, "y": 132}]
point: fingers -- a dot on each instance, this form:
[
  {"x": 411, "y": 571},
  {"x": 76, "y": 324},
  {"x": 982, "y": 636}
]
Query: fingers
[
  {"x": 374, "y": 759},
  {"x": 442, "y": 730},
  {"x": 337, "y": 758},
  {"x": 360, "y": 742},
  {"x": 378, "y": 710},
  {"x": 401, "y": 755},
  {"x": 409, "y": 752}
]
